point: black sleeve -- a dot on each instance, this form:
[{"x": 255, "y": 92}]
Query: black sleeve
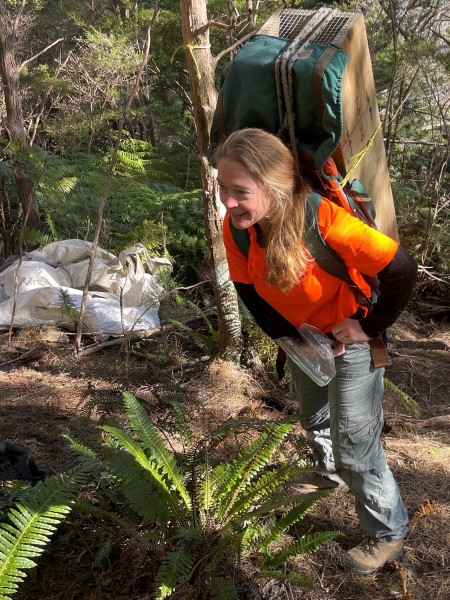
[
  {"x": 397, "y": 281},
  {"x": 270, "y": 321}
]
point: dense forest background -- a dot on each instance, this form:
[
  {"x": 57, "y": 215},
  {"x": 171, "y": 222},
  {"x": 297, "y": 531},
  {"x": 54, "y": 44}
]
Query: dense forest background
[
  {"x": 182, "y": 494},
  {"x": 68, "y": 70}
]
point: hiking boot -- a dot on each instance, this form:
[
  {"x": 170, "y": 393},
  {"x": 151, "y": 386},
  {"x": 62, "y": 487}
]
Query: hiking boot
[
  {"x": 313, "y": 482},
  {"x": 371, "y": 555}
]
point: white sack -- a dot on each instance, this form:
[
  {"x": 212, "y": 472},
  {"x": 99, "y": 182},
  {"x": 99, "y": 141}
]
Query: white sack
[
  {"x": 68, "y": 251},
  {"x": 30, "y": 275},
  {"x": 131, "y": 301}
]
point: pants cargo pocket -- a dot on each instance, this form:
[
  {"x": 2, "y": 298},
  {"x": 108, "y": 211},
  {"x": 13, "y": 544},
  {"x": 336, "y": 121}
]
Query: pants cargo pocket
[{"x": 361, "y": 446}]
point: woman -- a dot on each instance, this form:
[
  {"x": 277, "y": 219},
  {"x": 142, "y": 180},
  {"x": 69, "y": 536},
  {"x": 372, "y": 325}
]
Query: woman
[{"x": 283, "y": 287}]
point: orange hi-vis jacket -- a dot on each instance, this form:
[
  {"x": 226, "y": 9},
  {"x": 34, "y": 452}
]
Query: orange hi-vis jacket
[{"x": 319, "y": 298}]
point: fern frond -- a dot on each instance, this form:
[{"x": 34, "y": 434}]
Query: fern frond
[
  {"x": 281, "y": 500},
  {"x": 222, "y": 589},
  {"x": 150, "y": 440},
  {"x": 265, "y": 486},
  {"x": 408, "y": 403},
  {"x": 104, "y": 515},
  {"x": 148, "y": 499},
  {"x": 182, "y": 427},
  {"x": 240, "y": 472},
  {"x": 304, "y": 545},
  {"x": 203, "y": 342},
  {"x": 291, "y": 517},
  {"x": 201, "y": 314},
  {"x": 174, "y": 570},
  {"x": 137, "y": 453},
  {"x": 291, "y": 577},
  {"x": 33, "y": 236},
  {"x": 34, "y": 520},
  {"x": 86, "y": 457}
]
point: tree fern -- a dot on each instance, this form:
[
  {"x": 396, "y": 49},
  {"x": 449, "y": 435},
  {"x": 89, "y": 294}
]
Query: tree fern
[{"x": 33, "y": 521}]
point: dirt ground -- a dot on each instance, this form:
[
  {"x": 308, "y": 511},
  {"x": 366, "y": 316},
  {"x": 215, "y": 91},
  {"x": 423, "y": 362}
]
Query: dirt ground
[{"x": 44, "y": 388}]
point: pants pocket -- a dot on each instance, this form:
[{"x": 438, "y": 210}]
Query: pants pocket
[{"x": 361, "y": 447}]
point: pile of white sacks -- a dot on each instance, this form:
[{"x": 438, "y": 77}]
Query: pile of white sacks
[{"x": 122, "y": 296}]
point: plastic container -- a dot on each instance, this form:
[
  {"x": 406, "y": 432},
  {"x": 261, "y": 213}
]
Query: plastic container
[{"x": 312, "y": 353}]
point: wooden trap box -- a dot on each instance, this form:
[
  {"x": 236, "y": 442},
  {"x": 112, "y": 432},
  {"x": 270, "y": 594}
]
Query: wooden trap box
[{"x": 361, "y": 118}]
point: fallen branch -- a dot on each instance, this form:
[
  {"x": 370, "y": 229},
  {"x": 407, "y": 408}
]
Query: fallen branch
[
  {"x": 441, "y": 422},
  {"x": 21, "y": 357},
  {"x": 188, "y": 365},
  {"x": 131, "y": 337}
]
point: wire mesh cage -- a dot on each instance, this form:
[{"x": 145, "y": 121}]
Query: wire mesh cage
[{"x": 289, "y": 22}]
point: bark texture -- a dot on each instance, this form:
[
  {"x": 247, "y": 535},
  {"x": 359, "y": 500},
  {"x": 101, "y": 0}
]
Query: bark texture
[
  {"x": 14, "y": 118},
  {"x": 201, "y": 66}
]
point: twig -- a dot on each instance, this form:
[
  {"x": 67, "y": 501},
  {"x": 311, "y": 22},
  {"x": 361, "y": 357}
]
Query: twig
[
  {"x": 22, "y": 356},
  {"x": 235, "y": 45},
  {"x": 26, "y": 62},
  {"x": 427, "y": 271},
  {"x": 188, "y": 365}
]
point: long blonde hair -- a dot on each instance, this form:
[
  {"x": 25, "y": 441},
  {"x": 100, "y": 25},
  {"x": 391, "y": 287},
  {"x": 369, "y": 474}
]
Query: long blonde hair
[{"x": 272, "y": 165}]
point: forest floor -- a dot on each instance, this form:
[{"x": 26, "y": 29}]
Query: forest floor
[{"x": 44, "y": 388}]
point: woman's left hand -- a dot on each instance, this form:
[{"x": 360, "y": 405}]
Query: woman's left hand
[{"x": 349, "y": 331}]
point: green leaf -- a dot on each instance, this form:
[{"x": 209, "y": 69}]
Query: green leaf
[
  {"x": 150, "y": 440},
  {"x": 291, "y": 577},
  {"x": 174, "y": 570},
  {"x": 35, "y": 519},
  {"x": 305, "y": 545},
  {"x": 222, "y": 589}
]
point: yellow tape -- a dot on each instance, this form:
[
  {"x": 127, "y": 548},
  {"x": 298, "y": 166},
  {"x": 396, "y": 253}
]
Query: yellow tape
[
  {"x": 191, "y": 49},
  {"x": 358, "y": 157}
]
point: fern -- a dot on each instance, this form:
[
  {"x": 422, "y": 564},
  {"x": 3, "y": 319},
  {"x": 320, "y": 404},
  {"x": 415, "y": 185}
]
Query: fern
[
  {"x": 151, "y": 501},
  {"x": 174, "y": 570},
  {"x": 408, "y": 403},
  {"x": 203, "y": 516},
  {"x": 291, "y": 517},
  {"x": 291, "y": 577},
  {"x": 67, "y": 306},
  {"x": 305, "y": 545},
  {"x": 151, "y": 441},
  {"x": 33, "y": 521},
  {"x": 222, "y": 589},
  {"x": 238, "y": 474},
  {"x": 153, "y": 468}
]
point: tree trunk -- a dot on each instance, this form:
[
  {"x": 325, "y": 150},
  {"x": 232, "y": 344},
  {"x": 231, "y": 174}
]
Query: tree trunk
[
  {"x": 204, "y": 98},
  {"x": 14, "y": 118}
]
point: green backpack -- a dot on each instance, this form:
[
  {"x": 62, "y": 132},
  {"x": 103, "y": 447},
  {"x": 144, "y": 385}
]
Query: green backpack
[{"x": 291, "y": 88}]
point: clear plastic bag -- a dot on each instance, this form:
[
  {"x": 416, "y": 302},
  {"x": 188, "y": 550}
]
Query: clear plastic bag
[{"x": 312, "y": 353}]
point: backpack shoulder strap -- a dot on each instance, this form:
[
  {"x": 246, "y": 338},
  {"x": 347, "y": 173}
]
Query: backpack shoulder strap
[{"x": 325, "y": 256}]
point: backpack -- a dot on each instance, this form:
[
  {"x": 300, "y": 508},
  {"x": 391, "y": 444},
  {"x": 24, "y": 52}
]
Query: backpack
[{"x": 16, "y": 464}]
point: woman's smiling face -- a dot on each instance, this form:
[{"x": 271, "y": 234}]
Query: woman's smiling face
[{"x": 242, "y": 195}]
